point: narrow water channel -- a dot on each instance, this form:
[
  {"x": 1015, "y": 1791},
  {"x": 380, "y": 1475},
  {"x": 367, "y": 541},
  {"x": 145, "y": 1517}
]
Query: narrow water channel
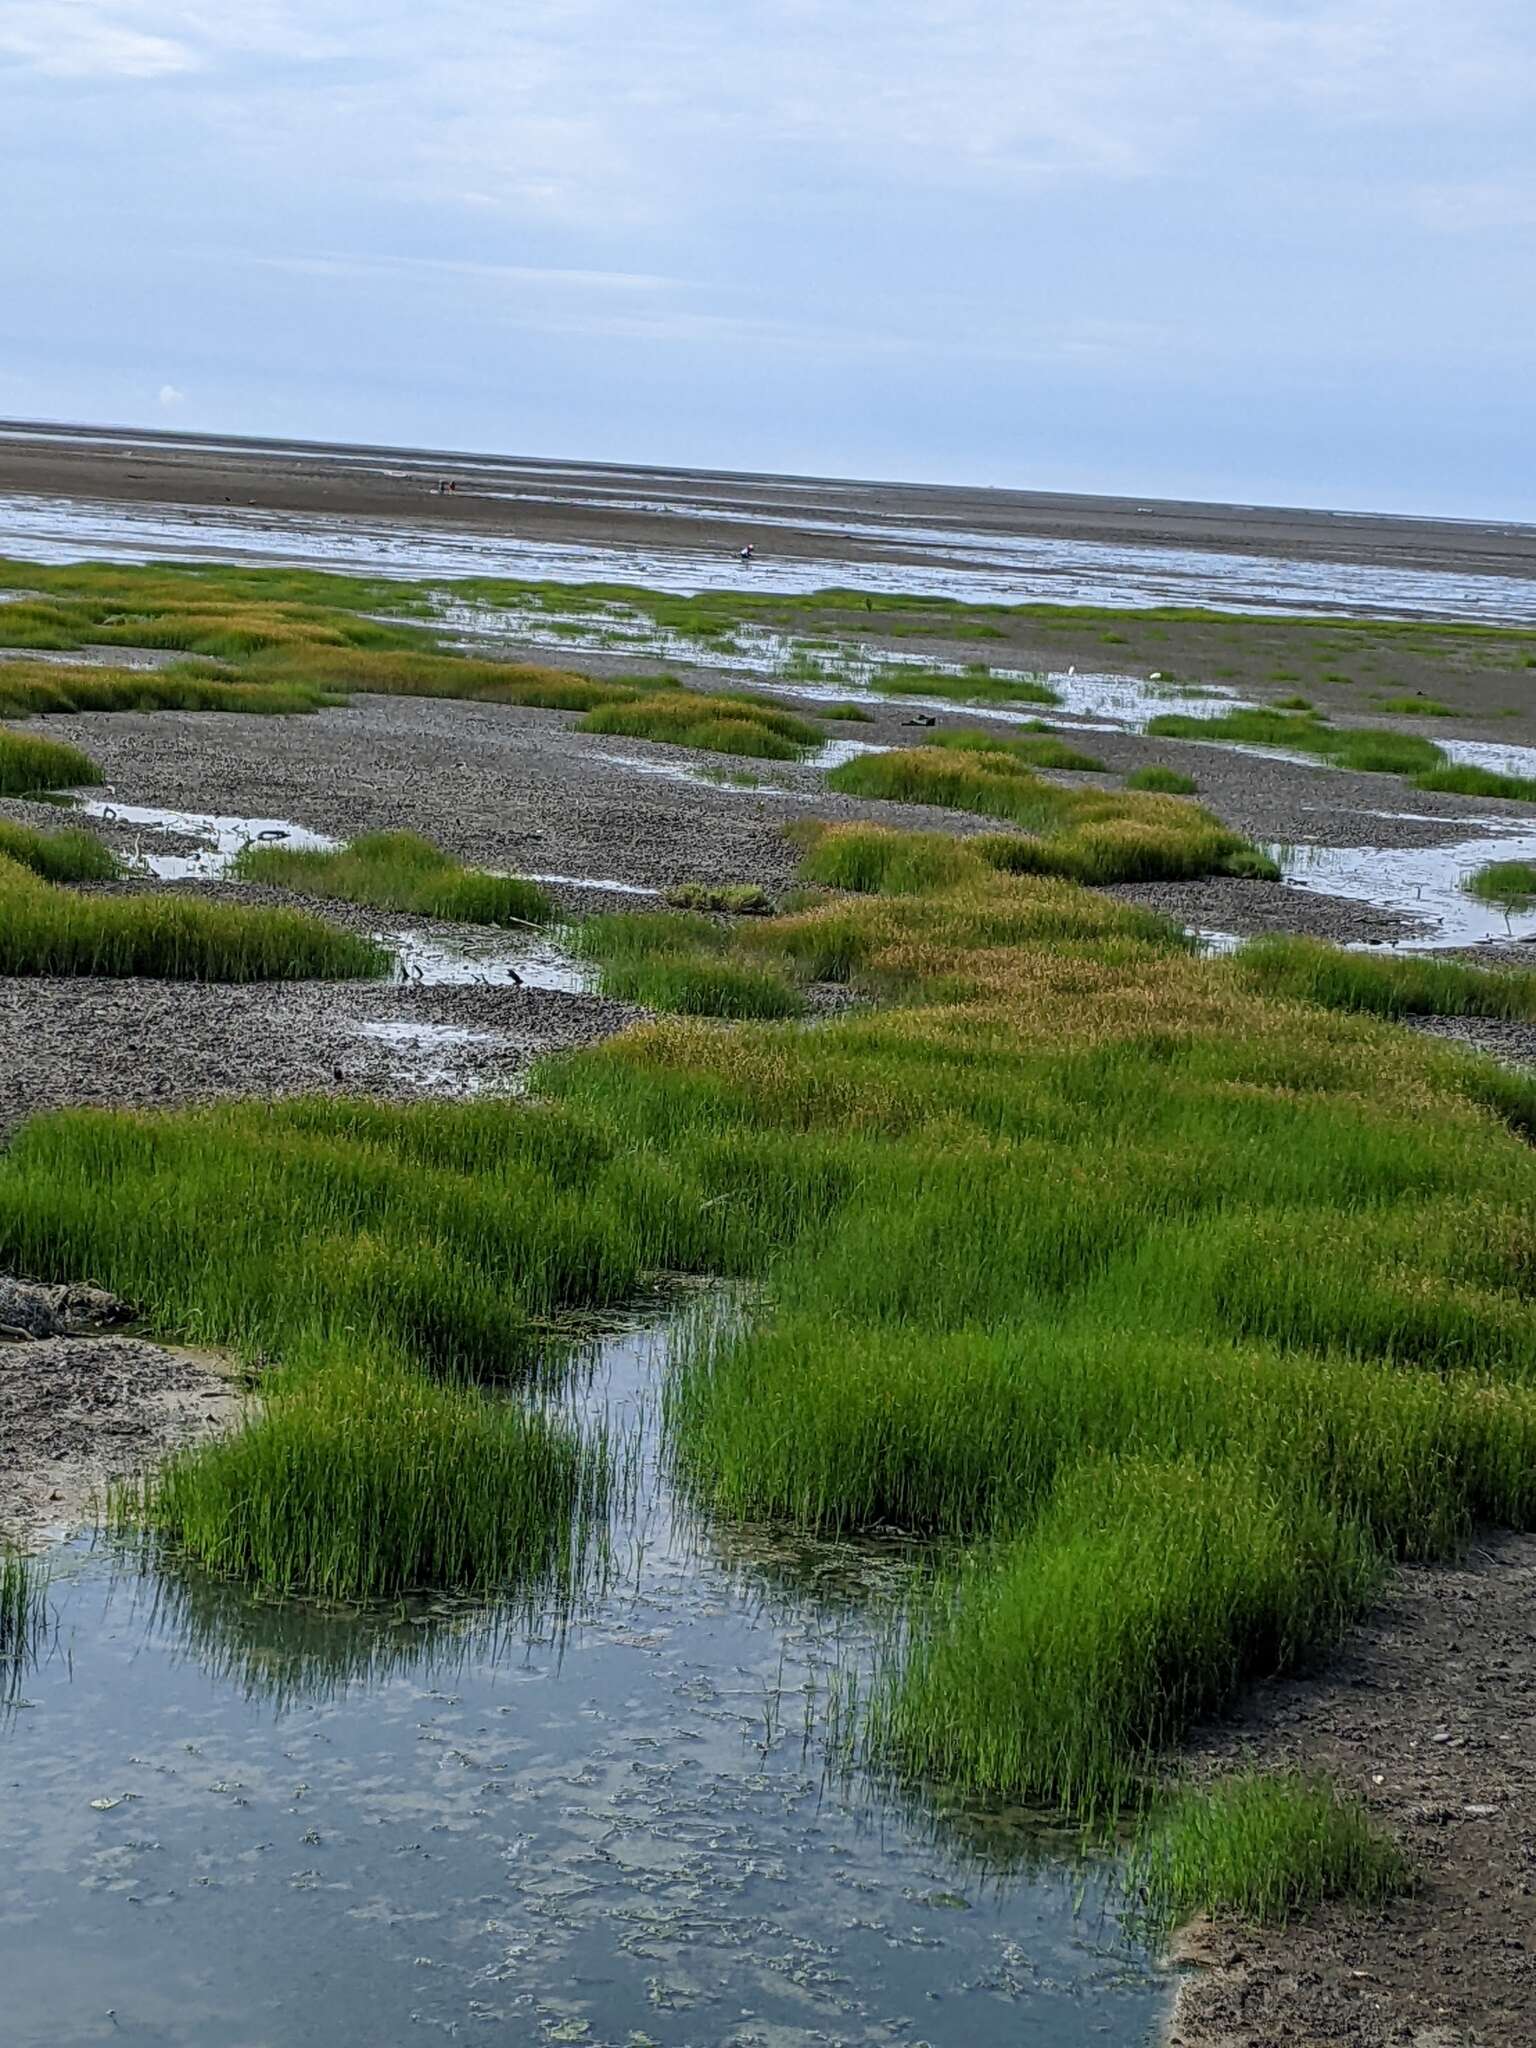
[{"x": 235, "y": 1820}]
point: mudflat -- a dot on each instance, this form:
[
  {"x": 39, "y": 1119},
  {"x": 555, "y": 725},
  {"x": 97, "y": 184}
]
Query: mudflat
[{"x": 610, "y": 505}]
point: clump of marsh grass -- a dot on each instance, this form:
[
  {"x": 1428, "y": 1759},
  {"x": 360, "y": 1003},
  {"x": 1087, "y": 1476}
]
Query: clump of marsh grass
[
  {"x": 976, "y": 684},
  {"x": 874, "y": 860},
  {"x": 677, "y": 961},
  {"x": 730, "y": 899},
  {"x": 66, "y": 856},
  {"x": 1144, "y": 1596},
  {"x": 27, "y": 690},
  {"x": 365, "y": 1481},
  {"x": 1460, "y": 778},
  {"x": 1095, "y": 836},
  {"x": 29, "y": 765},
  {"x": 1035, "y": 750},
  {"x": 1510, "y": 882},
  {"x": 1162, "y": 780},
  {"x": 1388, "y": 985},
  {"x": 1417, "y": 707},
  {"x": 1260, "y": 1848},
  {"x": 702, "y": 988},
  {"x": 849, "y": 714},
  {"x": 1361, "y": 748},
  {"x": 49, "y": 929},
  {"x": 399, "y": 871},
  {"x": 754, "y": 727},
  {"x": 423, "y": 672}
]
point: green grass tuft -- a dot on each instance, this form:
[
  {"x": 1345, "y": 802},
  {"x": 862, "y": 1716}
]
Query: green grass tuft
[
  {"x": 1387, "y": 985},
  {"x": 1086, "y": 835},
  {"x": 676, "y": 961},
  {"x": 1263, "y": 1849},
  {"x": 29, "y": 765},
  {"x": 1417, "y": 707},
  {"x": 23, "y": 1611},
  {"x": 30, "y": 689},
  {"x": 46, "y": 929},
  {"x": 731, "y": 899},
  {"x": 1356, "y": 747},
  {"x": 364, "y": 1481},
  {"x": 1046, "y": 750},
  {"x": 976, "y": 685},
  {"x": 872, "y": 859},
  {"x": 1144, "y": 1596},
  {"x": 67, "y": 856},
  {"x": 1161, "y": 780},
  {"x": 399, "y": 871},
  {"x": 757, "y": 728},
  {"x": 1462, "y": 779},
  {"x": 1510, "y": 882}
]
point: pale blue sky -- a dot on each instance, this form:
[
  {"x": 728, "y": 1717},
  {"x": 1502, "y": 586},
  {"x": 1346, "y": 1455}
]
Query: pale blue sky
[{"x": 1281, "y": 250}]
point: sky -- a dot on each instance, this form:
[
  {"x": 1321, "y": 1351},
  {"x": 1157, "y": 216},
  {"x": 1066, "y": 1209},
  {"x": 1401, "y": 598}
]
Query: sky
[{"x": 1273, "y": 251}]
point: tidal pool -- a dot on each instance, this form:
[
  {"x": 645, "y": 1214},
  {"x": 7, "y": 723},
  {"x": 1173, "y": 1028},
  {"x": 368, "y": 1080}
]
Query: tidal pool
[
  {"x": 256, "y": 1823},
  {"x": 220, "y": 839},
  {"x": 1426, "y": 883},
  {"x": 823, "y": 672}
]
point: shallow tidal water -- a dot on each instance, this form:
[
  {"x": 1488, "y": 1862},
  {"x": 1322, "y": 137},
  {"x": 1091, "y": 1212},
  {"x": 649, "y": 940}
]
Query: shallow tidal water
[
  {"x": 976, "y": 568},
  {"x": 255, "y": 1823}
]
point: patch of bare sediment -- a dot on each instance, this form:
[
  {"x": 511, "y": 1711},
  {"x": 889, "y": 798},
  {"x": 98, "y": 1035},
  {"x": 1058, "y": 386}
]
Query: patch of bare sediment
[
  {"x": 149, "y": 1044},
  {"x": 1502, "y": 1038},
  {"x": 1242, "y": 910},
  {"x": 1428, "y": 1714},
  {"x": 82, "y": 1406}
]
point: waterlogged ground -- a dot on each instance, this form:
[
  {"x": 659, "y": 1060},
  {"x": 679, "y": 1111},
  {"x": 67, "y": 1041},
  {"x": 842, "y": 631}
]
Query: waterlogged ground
[
  {"x": 258, "y": 1824},
  {"x": 891, "y": 555}
]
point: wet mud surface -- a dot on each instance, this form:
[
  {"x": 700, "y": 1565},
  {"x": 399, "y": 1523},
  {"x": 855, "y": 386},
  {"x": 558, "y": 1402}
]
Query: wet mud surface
[
  {"x": 78, "y": 1412},
  {"x": 152, "y": 1044},
  {"x": 136, "y": 496},
  {"x": 1428, "y": 1713}
]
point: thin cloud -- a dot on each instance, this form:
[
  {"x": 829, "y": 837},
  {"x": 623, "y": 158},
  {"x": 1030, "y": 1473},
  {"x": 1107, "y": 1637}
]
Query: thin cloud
[
  {"x": 74, "y": 39},
  {"x": 343, "y": 266}
]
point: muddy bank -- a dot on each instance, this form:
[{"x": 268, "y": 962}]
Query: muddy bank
[
  {"x": 1428, "y": 1713},
  {"x": 154, "y": 1044},
  {"x": 78, "y": 1412}
]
